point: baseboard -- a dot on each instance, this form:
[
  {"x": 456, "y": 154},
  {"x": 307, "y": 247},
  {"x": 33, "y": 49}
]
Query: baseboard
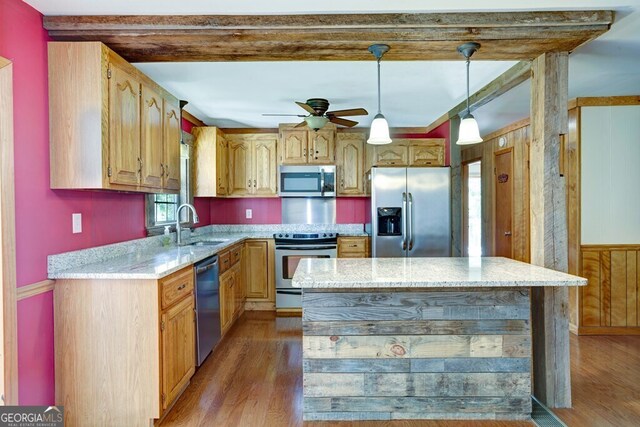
[
  {"x": 259, "y": 306},
  {"x": 573, "y": 329},
  {"x": 608, "y": 330},
  {"x": 289, "y": 312}
]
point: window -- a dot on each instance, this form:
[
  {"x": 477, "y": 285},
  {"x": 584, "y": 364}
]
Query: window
[
  {"x": 161, "y": 208},
  {"x": 472, "y": 194}
]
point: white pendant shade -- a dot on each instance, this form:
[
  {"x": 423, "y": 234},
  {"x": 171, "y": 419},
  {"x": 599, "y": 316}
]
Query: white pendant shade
[
  {"x": 316, "y": 122},
  {"x": 469, "y": 132},
  {"x": 379, "y": 133}
]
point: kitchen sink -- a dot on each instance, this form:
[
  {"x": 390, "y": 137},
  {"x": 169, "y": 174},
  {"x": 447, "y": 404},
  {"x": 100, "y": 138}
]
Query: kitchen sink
[{"x": 208, "y": 243}]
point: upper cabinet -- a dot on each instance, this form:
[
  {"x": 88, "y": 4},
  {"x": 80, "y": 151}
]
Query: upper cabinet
[
  {"x": 111, "y": 126},
  {"x": 210, "y": 162},
  {"x": 253, "y": 165},
  {"x": 350, "y": 151},
  {"x": 300, "y": 146},
  {"x": 408, "y": 152}
]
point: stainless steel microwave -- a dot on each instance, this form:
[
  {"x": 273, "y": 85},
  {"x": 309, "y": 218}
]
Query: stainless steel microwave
[{"x": 307, "y": 181}]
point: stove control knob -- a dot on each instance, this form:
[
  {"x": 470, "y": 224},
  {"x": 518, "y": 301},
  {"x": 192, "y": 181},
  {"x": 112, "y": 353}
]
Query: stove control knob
[
  {"x": 279, "y": 235},
  {"x": 324, "y": 235},
  {"x": 286, "y": 235}
]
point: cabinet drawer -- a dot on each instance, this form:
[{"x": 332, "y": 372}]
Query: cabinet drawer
[
  {"x": 352, "y": 246},
  {"x": 235, "y": 254},
  {"x": 225, "y": 261},
  {"x": 176, "y": 286}
]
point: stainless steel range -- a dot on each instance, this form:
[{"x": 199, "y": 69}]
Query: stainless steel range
[{"x": 290, "y": 249}]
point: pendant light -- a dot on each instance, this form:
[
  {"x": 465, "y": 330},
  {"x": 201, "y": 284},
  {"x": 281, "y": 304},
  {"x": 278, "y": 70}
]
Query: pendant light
[
  {"x": 468, "y": 132},
  {"x": 379, "y": 133}
]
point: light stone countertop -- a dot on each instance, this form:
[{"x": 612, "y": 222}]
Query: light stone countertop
[{"x": 344, "y": 273}]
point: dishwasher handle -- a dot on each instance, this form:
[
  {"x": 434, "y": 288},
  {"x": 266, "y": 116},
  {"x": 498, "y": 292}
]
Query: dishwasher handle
[{"x": 208, "y": 266}]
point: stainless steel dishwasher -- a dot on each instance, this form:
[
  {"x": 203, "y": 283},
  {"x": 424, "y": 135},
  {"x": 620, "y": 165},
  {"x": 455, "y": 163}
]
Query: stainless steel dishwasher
[{"x": 207, "y": 306}]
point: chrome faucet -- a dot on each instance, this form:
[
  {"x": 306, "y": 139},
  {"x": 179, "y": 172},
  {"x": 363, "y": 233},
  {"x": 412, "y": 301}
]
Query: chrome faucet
[{"x": 178, "y": 229}]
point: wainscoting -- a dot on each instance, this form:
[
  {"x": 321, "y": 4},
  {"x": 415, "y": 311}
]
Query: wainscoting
[{"x": 610, "y": 303}]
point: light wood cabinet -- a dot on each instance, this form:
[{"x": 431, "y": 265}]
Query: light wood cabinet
[
  {"x": 178, "y": 349},
  {"x": 226, "y": 300},
  {"x": 140, "y": 331},
  {"x": 211, "y": 159},
  {"x": 409, "y": 152},
  {"x": 353, "y": 247},
  {"x": 350, "y": 153},
  {"x": 107, "y": 123},
  {"x": 232, "y": 294},
  {"x": 260, "y": 274},
  {"x": 300, "y": 146},
  {"x": 252, "y": 165}
]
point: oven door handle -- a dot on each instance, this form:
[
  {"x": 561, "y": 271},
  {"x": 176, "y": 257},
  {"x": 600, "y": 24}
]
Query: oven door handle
[
  {"x": 305, "y": 248},
  {"x": 278, "y": 291}
]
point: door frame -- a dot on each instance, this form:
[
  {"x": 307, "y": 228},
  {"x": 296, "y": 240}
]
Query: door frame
[
  {"x": 494, "y": 208},
  {"x": 465, "y": 202},
  {"x": 9, "y": 339}
]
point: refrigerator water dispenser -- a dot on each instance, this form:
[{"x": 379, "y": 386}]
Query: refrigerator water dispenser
[{"x": 389, "y": 221}]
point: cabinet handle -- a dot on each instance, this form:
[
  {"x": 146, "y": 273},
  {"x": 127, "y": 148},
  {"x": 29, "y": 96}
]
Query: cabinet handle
[
  {"x": 139, "y": 166},
  {"x": 304, "y": 152},
  {"x": 249, "y": 183},
  {"x": 166, "y": 170},
  {"x": 353, "y": 246},
  {"x": 342, "y": 183},
  {"x": 254, "y": 183},
  {"x": 181, "y": 287},
  {"x": 162, "y": 169}
]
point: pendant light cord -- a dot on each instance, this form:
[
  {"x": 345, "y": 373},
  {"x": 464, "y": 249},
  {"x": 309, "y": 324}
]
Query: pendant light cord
[
  {"x": 379, "y": 109},
  {"x": 468, "y": 61}
]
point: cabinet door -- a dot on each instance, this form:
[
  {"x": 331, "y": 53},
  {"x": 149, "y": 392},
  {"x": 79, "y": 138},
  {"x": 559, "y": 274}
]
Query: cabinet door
[
  {"x": 426, "y": 153},
  {"x": 151, "y": 147},
  {"x": 240, "y": 180},
  {"x": 178, "y": 349},
  {"x": 350, "y": 164},
  {"x": 257, "y": 273},
  {"x": 293, "y": 146},
  {"x": 265, "y": 160},
  {"x": 238, "y": 294},
  {"x": 391, "y": 155},
  {"x": 226, "y": 299},
  {"x": 322, "y": 146},
  {"x": 124, "y": 128},
  {"x": 172, "y": 137},
  {"x": 222, "y": 165}
]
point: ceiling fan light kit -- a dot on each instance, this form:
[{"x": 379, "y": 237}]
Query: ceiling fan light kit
[
  {"x": 468, "y": 133},
  {"x": 316, "y": 122},
  {"x": 379, "y": 133}
]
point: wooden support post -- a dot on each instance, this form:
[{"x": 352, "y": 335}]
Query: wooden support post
[{"x": 550, "y": 320}]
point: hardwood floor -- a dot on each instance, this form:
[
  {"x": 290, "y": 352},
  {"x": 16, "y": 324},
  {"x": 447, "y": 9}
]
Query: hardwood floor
[{"x": 254, "y": 378}]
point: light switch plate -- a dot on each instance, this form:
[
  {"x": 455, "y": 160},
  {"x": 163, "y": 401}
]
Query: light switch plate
[
  {"x": 249, "y": 214},
  {"x": 76, "y": 223}
]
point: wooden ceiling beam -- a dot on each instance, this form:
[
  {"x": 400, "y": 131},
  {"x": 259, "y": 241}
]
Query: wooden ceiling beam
[{"x": 339, "y": 37}]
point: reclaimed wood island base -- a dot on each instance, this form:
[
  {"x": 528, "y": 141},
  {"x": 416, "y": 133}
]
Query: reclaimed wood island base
[{"x": 387, "y": 339}]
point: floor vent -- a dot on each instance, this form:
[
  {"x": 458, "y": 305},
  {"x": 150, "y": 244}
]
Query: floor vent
[{"x": 543, "y": 417}]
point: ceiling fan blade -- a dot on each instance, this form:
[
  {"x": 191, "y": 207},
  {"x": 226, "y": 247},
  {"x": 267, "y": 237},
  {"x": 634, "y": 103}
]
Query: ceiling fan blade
[
  {"x": 349, "y": 112},
  {"x": 306, "y": 107},
  {"x": 342, "y": 122},
  {"x": 299, "y": 125},
  {"x": 279, "y": 115}
]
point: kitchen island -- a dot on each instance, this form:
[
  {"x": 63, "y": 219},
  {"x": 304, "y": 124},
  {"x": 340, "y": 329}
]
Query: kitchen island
[{"x": 419, "y": 338}]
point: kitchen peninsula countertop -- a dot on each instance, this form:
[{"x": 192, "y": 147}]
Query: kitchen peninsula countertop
[{"x": 341, "y": 273}]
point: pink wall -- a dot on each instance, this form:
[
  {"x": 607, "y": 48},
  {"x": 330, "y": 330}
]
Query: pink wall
[{"x": 43, "y": 216}]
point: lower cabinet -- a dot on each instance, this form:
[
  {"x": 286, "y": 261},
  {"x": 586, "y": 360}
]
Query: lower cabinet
[
  {"x": 232, "y": 294},
  {"x": 353, "y": 247},
  {"x": 260, "y": 274},
  {"x": 124, "y": 349}
]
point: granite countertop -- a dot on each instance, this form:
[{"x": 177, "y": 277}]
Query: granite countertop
[
  {"x": 344, "y": 273},
  {"x": 143, "y": 261}
]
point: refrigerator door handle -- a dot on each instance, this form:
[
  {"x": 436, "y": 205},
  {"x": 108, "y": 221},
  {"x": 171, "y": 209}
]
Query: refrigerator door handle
[
  {"x": 410, "y": 221},
  {"x": 404, "y": 221}
]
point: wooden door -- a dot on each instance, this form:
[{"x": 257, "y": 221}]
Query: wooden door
[
  {"x": 151, "y": 147},
  {"x": 178, "y": 349},
  {"x": 124, "y": 128},
  {"x": 322, "y": 146},
  {"x": 503, "y": 212},
  {"x": 238, "y": 294},
  {"x": 172, "y": 137},
  {"x": 222, "y": 165},
  {"x": 426, "y": 153},
  {"x": 350, "y": 163},
  {"x": 293, "y": 146},
  {"x": 240, "y": 159},
  {"x": 391, "y": 155},
  {"x": 265, "y": 165},
  {"x": 257, "y": 282}
]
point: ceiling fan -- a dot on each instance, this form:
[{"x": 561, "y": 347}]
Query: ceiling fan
[{"x": 319, "y": 116}]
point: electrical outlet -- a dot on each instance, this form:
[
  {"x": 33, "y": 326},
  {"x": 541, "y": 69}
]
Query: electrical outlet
[
  {"x": 249, "y": 214},
  {"x": 76, "y": 223}
]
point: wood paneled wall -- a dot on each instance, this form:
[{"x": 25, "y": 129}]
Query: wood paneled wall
[
  {"x": 517, "y": 137},
  {"x": 609, "y": 303}
]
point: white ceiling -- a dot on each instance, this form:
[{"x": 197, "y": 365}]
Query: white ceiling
[{"x": 413, "y": 93}]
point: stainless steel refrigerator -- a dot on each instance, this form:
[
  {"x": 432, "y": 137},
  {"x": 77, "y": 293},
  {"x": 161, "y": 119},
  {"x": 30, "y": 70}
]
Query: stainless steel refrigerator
[{"x": 410, "y": 212}]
